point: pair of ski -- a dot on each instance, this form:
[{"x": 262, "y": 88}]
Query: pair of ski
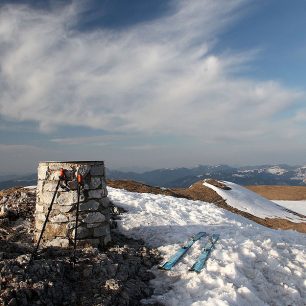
[{"x": 200, "y": 262}]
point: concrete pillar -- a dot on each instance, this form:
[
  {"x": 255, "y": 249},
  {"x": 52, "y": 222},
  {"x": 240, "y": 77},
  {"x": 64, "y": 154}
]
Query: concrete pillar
[{"x": 94, "y": 216}]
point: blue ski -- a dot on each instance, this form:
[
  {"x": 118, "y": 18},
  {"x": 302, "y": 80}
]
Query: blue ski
[
  {"x": 199, "y": 264},
  {"x": 182, "y": 251}
]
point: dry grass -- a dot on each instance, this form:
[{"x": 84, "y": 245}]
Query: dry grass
[{"x": 289, "y": 193}]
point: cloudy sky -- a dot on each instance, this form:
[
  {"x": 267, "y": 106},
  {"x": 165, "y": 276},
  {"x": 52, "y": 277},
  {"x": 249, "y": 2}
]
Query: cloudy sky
[{"x": 155, "y": 83}]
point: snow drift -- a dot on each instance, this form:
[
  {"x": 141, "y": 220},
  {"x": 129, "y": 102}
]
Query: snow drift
[
  {"x": 254, "y": 204},
  {"x": 251, "y": 264},
  {"x": 297, "y": 206}
]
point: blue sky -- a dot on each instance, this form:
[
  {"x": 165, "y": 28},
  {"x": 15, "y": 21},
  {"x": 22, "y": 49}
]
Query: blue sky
[{"x": 149, "y": 84}]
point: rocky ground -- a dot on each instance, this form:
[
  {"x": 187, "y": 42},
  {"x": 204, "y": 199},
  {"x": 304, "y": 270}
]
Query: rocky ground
[{"x": 117, "y": 275}]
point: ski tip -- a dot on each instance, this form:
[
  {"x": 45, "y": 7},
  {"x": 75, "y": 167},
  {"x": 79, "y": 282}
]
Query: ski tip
[
  {"x": 163, "y": 268},
  {"x": 168, "y": 265},
  {"x": 194, "y": 270},
  {"x": 199, "y": 235}
]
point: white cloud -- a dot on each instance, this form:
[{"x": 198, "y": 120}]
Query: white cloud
[
  {"x": 91, "y": 140},
  {"x": 160, "y": 76}
]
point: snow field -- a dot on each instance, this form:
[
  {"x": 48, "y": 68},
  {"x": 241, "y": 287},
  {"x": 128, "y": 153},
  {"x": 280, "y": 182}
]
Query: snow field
[
  {"x": 297, "y": 206},
  {"x": 252, "y": 203},
  {"x": 250, "y": 265}
]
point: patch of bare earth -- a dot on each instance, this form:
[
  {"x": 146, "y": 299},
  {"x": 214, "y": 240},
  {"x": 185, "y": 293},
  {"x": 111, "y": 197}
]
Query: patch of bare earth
[
  {"x": 202, "y": 193},
  {"x": 287, "y": 193},
  {"x": 218, "y": 184}
]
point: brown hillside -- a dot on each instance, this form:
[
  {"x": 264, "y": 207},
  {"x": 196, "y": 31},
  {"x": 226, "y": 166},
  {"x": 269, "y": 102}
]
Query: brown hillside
[{"x": 289, "y": 193}]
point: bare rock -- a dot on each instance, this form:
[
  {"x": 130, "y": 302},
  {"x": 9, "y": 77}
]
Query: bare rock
[
  {"x": 82, "y": 232},
  {"x": 59, "y": 219},
  {"x": 97, "y": 194},
  {"x": 112, "y": 284},
  {"x": 58, "y": 242},
  {"x": 95, "y": 183},
  {"x": 95, "y": 217},
  {"x": 90, "y": 205},
  {"x": 101, "y": 231},
  {"x": 97, "y": 170}
]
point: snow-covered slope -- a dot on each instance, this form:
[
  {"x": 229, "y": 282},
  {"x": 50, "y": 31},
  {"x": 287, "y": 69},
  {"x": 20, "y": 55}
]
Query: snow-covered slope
[
  {"x": 251, "y": 264},
  {"x": 252, "y": 203},
  {"x": 297, "y": 206},
  {"x": 277, "y": 170}
]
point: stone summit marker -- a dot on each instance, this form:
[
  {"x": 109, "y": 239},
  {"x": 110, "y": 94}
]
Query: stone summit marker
[{"x": 94, "y": 215}]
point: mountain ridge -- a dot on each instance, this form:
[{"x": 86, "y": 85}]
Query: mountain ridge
[
  {"x": 183, "y": 177},
  {"x": 246, "y": 175}
]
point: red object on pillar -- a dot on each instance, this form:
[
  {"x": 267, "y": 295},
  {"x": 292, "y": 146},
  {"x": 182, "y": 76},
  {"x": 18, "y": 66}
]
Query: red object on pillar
[
  {"x": 62, "y": 173},
  {"x": 80, "y": 179}
]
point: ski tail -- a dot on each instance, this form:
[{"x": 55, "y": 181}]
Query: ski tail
[
  {"x": 205, "y": 253},
  {"x": 182, "y": 251}
]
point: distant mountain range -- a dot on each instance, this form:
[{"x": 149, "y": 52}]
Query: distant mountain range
[
  {"x": 184, "y": 177},
  {"x": 15, "y": 180}
]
